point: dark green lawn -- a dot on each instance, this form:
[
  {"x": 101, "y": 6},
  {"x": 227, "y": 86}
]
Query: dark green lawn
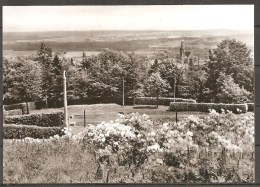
[{"x": 106, "y": 112}]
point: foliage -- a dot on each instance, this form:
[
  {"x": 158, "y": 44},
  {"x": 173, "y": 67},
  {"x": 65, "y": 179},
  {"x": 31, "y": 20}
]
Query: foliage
[
  {"x": 231, "y": 57},
  {"x": 21, "y": 80},
  {"x": 156, "y": 86},
  {"x": 12, "y": 131},
  {"x": 20, "y": 106},
  {"x": 102, "y": 75},
  {"x": 251, "y": 106},
  {"x": 14, "y": 112},
  {"x": 218, "y": 148},
  {"x": 105, "y": 73},
  {"x": 205, "y": 107},
  {"x": 230, "y": 92},
  {"x": 54, "y": 119}
]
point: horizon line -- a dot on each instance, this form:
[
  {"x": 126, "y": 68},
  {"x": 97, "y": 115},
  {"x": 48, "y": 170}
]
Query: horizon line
[{"x": 244, "y": 30}]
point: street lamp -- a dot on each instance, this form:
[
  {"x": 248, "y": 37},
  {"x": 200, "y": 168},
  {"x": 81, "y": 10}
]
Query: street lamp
[
  {"x": 176, "y": 113},
  {"x": 65, "y": 100},
  {"x": 123, "y": 91}
]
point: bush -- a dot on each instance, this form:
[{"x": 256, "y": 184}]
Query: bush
[
  {"x": 161, "y": 101},
  {"x": 31, "y": 105},
  {"x": 55, "y": 119},
  {"x": 14, "y": 112},
  {"x": 19, "y": 106},
  {"x": 204, "y": 107},
  {"x": 85, "y": 101},
  {"x": 251, "y": 106},
  {"x": 12, "y": 131}
]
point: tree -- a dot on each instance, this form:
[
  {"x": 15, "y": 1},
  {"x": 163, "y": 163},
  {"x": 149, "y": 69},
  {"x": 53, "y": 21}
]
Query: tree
[
  {"x": 107, "y": 70},
  {"x": 156, "y": 86},
  {"x": 171, "y": 71},
  {"x": 231, "y": 57},
  {"x": 22, "y": 82},
  {"x": 57, "y": 72},
  {"x": 44, "y": 57},
  {"x": 195, "y": 81},
  {"x": 154, "y": 67},
  {"x": 230, "y": 92}
]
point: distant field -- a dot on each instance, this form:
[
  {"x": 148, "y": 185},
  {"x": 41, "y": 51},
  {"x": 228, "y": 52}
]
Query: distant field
[
  {"x": 141, "y": 42},
  {"x": 11, "y": 53}
]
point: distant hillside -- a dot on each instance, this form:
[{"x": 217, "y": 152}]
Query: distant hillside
[{"x": 67, "y": 41}]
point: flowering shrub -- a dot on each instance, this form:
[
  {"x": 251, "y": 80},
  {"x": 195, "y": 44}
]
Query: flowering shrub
[
  {"x": 216, "y": 148},
  {"x": 137, "y": 139}
]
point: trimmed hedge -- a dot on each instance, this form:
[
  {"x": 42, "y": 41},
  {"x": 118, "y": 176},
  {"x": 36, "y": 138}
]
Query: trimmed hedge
[
  {"x": 161, "y": 101},
  {"x": 14, "y": 112},
  {"x": 204, "y": 107},
  {"x": 85, "y": 101},
  {"x": 251, "y": 106},
  {"x": 19, "y": 106},
  {"x": 12, "y": 131},
  {"x": 55, "y": 119}
]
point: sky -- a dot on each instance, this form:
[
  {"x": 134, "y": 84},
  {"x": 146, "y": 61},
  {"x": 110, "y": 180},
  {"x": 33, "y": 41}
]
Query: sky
[{"x": 167, "y": 17}]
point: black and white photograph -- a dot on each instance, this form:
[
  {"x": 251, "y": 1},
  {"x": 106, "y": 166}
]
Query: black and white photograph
[{"x": 134, "y": 94}]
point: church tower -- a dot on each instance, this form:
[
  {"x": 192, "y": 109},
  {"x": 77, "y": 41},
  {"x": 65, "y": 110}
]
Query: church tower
[{"x": 182, "y": 52}]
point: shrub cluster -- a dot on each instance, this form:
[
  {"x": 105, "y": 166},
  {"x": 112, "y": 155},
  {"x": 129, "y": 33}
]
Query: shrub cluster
[
  {"x": 19, "y": 106},
  {"x": 251, "y": 106},
  {"x": 55, "y": 119},
  {"x": 161, "y": 100},
  {"x": 14, "y": 112},
  {"x": 85, "y": 101},
  {"x": 204, "y": 107},
  {"x": 12, "y": 131}
]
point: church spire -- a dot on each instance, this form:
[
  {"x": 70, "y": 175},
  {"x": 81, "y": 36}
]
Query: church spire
[{"x": 182, "y": 51}]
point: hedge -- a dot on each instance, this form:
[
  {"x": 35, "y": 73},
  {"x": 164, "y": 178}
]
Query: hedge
[
  {"x": 85, "y": 101},
  {"x": 204, "y": 107},
  {"x": 251, "y": 106},
  {"x": 161, "y": 100},
  {"x": 14, "y": 112},
  {"x": 55, "y": 119},
  {"x": 19, "y": 106},
  {"x": 12, "y": 131}
]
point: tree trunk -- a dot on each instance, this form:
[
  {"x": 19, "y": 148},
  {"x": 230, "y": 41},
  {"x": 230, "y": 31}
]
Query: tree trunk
[
  {"x": 46, "y": 101},
  {"x": 27, "y": 107},
  {"x": 157, "y": 98}
]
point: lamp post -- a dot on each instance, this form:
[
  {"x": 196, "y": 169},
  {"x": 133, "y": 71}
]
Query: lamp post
[
  {"x": 65, "y": 100},
  {"x": 123, "y": 91},
  {"x": 174, "y": 88},
  {"x": 176, "y": 113}
]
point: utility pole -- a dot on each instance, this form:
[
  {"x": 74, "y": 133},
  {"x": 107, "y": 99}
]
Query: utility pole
[
  {"x": 65, "y": 100},
  {"x": 46, "y": 99},
  {"x": 198, "y": 60},
  {"x": 174, "y": 88},
  {"x": 84, "y": 119},
  {"x": 176, "y": 113},
  {"x": 123, "y": 91}
]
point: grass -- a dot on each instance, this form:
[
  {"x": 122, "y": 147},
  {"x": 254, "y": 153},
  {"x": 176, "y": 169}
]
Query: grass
[
  {"x": 97, "y": 113},
  {"x": 106, "y": 112}
]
